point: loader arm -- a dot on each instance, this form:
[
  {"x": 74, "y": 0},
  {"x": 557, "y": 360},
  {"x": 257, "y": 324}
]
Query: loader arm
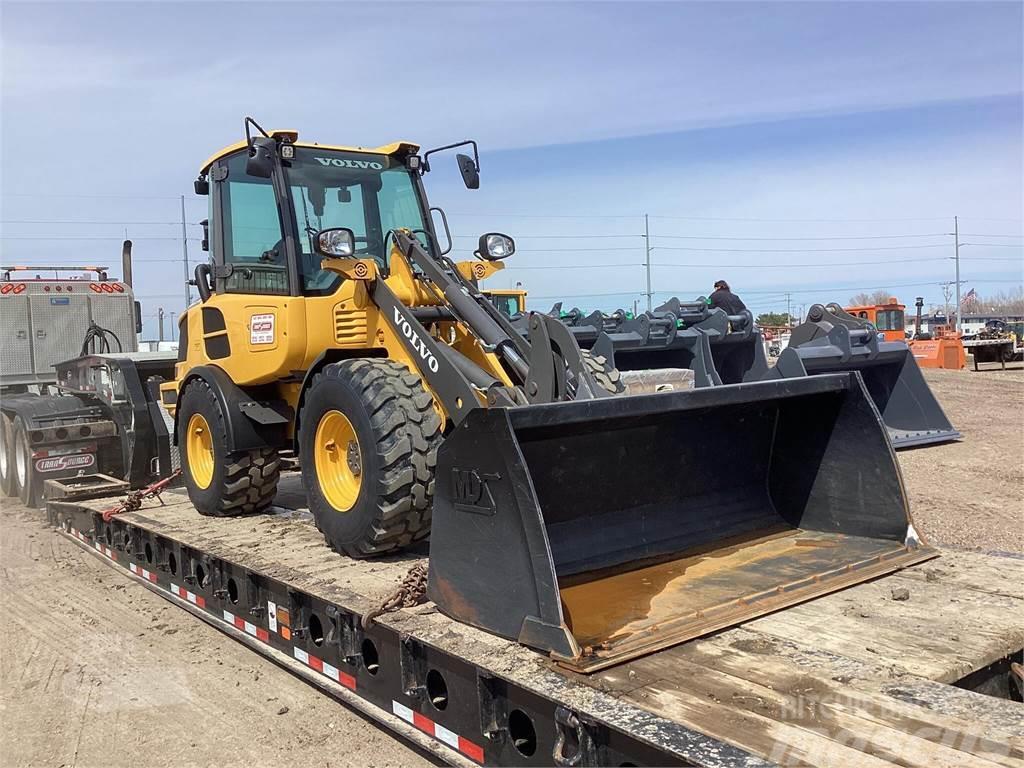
[{"x": 547, "y": 366}]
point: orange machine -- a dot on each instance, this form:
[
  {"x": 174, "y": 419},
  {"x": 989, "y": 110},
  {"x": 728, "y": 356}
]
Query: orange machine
[
  {"x": 888, "y": 318},
  {"x": 942, "y": 348}
]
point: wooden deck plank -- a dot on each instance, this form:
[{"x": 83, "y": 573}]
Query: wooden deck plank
[
  {"x": 799, "y": 693},
  {"x": 810, "y": 709},
  {"x": 958, "y": 569}
]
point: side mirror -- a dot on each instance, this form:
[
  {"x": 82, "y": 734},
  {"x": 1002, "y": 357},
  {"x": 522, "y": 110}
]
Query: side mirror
[
  {"x": 261, "y": 157},
  {"x": 138, "y": 317},
  {"x": 469, "y": 170},
  {"x": 201, "y": 186},
  {"x": 495, "y": 246},
  {"x": 337, "y": 243},
  {"x": 205, "y": 224}
]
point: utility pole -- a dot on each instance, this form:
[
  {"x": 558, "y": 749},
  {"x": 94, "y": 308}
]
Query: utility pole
[
  {"x": 647, "y": 252},
  {"x": 184, "y": 254},
  {"x": 172, "y": 326},
  {"x": 789, "y": 317},
  {"x": 956, "y": 257},
  {"x": 160, "y": 324}
]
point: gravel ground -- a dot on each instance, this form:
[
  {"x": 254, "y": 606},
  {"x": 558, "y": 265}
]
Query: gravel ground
[
  {"x": 96, "y": 670},
  {"x": 970, "y": 494}
]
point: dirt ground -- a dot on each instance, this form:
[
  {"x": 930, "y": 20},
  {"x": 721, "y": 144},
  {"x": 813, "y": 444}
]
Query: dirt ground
[
  {"x": 970, "y": 494},
  {"x": 95, "y": 670}
]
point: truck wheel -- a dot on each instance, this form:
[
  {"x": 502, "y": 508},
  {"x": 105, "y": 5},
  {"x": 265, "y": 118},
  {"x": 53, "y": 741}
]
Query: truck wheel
[
  {"x": 25, "y": 475},
  {"x": 221, "y": 484},
  {"x": 368, "y": 439},
  {"x": 607, "y": 376},
  {"x": 8, "y": 485}
]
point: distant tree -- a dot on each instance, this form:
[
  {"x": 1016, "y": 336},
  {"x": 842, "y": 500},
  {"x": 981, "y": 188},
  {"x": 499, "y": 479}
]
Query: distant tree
[
  {"x": 773, "y": 318},
  {"x": 1009, "y": 302},
  {"x": 870, "y": 299}
]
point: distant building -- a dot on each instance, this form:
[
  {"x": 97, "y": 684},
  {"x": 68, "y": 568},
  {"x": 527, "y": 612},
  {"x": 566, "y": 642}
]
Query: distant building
[{"x": 971, "y": 324}]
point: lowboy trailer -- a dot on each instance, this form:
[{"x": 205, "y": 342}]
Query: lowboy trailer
[{"x": 915, "y": 668}]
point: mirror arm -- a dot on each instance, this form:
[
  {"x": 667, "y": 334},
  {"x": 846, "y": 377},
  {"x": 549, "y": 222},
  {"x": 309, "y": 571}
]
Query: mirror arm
[
  {"x": 248, "y": 136},
  {"x": 468, "y": 142}
]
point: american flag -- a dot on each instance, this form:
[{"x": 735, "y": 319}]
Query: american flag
[{"x": 968, "y": 296}]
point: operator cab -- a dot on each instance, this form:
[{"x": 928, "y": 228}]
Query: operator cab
[{"x": 271, "y": 197}]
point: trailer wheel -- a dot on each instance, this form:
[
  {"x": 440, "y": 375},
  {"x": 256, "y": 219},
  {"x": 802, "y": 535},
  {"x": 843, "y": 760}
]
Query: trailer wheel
[
  {"x": 8, "y": 484},
  {"x": 606, "y": 375},
  {"x": 221, "y": 484},
  {"x": 368, "y": 439},
  {"x": 25, "y": 475}
]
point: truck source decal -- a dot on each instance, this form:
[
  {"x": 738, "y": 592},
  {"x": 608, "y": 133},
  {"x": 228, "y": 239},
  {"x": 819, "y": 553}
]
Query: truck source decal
[
  {"x": 58, "y": 463},
  {"x": 418, "y": 344}
]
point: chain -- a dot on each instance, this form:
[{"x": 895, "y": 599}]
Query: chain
[
  {"x": 410, "y": 592},
  {"x": 133, "y": 501}
]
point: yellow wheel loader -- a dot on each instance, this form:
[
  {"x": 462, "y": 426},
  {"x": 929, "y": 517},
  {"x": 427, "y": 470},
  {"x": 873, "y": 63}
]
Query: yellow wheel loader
[{"x": 592, "y": 525}]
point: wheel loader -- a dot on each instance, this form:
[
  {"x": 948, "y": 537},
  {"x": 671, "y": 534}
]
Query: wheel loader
[{"x": 333, "y": 324}]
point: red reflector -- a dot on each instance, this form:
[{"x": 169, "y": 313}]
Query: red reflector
[
  {"x": 94, "y": 287},
  {"x": 19, "y": 288},
  {"x": 6, "y": 288},
  {"x": 60, "y": 287},
  {"x": 46, "y": 288},
  {"x": 118, "y": 287},
  {"x": 105, "y": 287},
  {"x": 70, "y": 289}
]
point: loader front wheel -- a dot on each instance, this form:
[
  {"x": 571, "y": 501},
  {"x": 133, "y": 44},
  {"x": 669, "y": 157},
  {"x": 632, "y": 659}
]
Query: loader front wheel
[
  {"x": 221, "y": 483},
  {"x": 368, "y": 438},
  {"x": 607, "y": 376}
]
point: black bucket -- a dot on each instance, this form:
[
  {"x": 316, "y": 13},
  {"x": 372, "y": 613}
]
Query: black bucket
[
  {"x": 602, "y": 530},
  {"x": 910, "y": 412}
]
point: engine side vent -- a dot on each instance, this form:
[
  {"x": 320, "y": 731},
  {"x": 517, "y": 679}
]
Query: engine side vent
[{"x": 350, "y": 326}]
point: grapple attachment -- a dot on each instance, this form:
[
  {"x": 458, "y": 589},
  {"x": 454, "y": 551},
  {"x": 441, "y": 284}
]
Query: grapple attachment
[
  {"x": 605, "y": 529},
  {"x": 832, "y": 341}
]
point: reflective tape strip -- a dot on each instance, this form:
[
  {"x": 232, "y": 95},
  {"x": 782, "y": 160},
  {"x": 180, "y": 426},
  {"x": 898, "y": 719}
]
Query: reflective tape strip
[
  {"x": 192, "y": 597},
  {"x": 148, "y": 575},
  {"x": 439, "y": 732},
  {"x": 103, "y": 550},
  {"x": 324, "y": 668}
]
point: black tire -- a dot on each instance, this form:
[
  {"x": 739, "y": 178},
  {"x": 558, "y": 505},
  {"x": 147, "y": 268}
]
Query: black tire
[
  {"x": 398, "y": 433},
  {"x": 606, "y": 375},
  {"x": 29, "y": 483},
  {"x": 8, "y": 483},
  {"x": 243, "y": 482}
]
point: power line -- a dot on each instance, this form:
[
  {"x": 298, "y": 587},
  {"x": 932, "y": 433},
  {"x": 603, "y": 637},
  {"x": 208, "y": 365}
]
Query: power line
[
  {"x": 799, "y": 250},
  {"x": 798, "y": 221},
  {"x": 829, "y": 237},
  {"x": 44, "y": 238},
  {"x": 555, "y": 237},
  {"x": 976, "y": 234},
  {"x": 95, "y": 221}
]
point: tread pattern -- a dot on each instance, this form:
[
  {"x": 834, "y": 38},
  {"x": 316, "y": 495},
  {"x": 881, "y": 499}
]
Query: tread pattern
[
  {"x": 250, "y": 477},
  {"x": 408, "y": 433},
  {"x": 607, "y": 377}
]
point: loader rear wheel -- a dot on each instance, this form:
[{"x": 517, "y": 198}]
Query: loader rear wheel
[
  {"x": 219, "y": 483},
  {"x": 368, "y": 439},
  {"x": 8, "y": 486},
  {"x": 606, "y": 375}
]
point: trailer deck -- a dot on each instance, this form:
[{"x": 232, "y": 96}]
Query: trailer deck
[{"x": 876, "y": 674}]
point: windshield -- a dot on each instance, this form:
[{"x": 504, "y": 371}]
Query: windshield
[
  {"x": 507, "y": 305},
  {"x": 889, "y": 319},
  {"x": 367, "y": 193}
]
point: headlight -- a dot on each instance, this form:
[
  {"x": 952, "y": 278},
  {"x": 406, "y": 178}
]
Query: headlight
[{"x": 495, "y": 246}]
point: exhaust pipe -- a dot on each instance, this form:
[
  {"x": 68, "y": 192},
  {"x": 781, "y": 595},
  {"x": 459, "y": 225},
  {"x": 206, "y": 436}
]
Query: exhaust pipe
[{"x": 126, "y": 263}]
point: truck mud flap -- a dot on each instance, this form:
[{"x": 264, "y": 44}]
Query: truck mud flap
[
  {"x": 910, "y": 412},
  {"x": 602, "y": 530}
]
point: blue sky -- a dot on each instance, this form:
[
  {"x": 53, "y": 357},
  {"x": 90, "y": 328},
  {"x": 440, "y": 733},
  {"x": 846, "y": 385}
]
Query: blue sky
[{"x": 743, "y": 130}]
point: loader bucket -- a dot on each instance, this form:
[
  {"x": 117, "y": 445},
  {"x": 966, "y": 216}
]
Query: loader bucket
[
  {"x": 605, "y": 529},
  {"x": 910, "y": 412}
]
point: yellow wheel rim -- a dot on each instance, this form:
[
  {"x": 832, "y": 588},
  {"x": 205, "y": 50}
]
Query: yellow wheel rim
[
  {"x": 199, "y": 444},
  {"x": 338, "y": 460}
]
